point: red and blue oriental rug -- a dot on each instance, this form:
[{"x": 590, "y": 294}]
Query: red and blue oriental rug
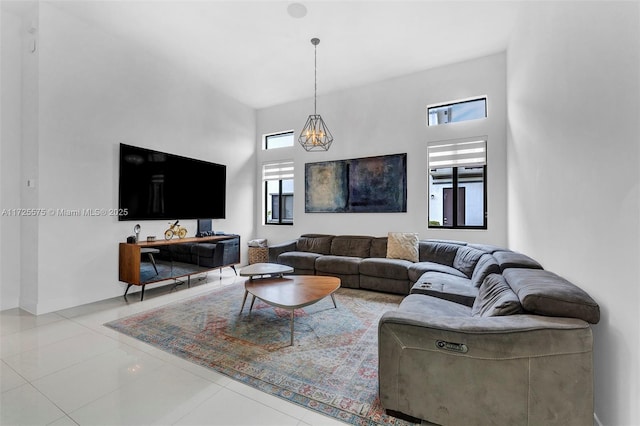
[{"x": 331, "y": 368}]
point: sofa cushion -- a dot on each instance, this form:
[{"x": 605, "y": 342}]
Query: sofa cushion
[
  {"x": 433, "y": 307},
  {"x": 545, "y": 293},
  {"x": 486, "y": 265},
  {"x": 442, "y": 253},
  {"x": 466, "y": 260},
  {"x": 386, "y": 285},
  {"x": 346, "y": 265},
  {"x": 512, "y": 259},
  {"x": 495, "y": 298},
  {"x": 385, "y": 268},
  {"x": 402, "y": 245},
  {"x": 378, "y": 247},
  {"x": 417, "y": 269},
  {"x": 315, "y": 243},
  {"x": 299, "y": 259},
  {"x": 445, "y": 286},
  {"x": 351, "y": 245}
]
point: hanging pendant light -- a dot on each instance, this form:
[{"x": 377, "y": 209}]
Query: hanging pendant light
[{"x": 315, "y": 136}]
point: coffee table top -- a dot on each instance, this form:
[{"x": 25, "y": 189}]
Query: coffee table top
[
  {"x": 265, "y": 269},
  {"x": 293, "y": 291}
]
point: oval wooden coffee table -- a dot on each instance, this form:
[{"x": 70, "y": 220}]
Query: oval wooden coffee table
[{"x": 293, "y": 291}]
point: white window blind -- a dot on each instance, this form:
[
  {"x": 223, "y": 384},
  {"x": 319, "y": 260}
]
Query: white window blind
[
  {"x": 277, "y": 171},
  {"x": 457, "y": 154}
]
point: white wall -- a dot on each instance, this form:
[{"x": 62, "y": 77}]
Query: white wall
[
  {"x": 94, "y": 91},
  {"x": 10, "y": 137},
  {"x": 573, "y": 153},
  {"x": 389, "y": 118}
]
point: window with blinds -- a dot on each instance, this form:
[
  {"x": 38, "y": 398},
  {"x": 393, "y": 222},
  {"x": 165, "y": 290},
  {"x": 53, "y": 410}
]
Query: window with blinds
[
  {"x": 457, "y": 184},
  {"x": 278, "y": 192}
]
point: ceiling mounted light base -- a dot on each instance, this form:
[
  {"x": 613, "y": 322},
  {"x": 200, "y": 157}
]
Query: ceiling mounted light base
[{"x": 315, "y": 136}]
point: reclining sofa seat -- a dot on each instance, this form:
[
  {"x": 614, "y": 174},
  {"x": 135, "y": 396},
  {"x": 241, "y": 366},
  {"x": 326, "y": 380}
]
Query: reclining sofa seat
[{"x": 520, "y": 355}]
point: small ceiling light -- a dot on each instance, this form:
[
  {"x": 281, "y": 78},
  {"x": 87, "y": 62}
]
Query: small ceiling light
[
  {"x": 297, "y": 10},
  {"x": 315, "y": 135}
]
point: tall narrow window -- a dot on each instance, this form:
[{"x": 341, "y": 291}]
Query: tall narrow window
[
  {"x": 278, "y": 192},
  {"x": 457, "y": 184}
]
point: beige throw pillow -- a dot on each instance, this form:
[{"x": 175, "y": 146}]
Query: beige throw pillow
[{"x": 402, "y": 245}]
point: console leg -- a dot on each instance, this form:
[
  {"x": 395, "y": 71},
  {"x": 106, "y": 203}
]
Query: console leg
[
  {"x": 127, "y": 290},
  {"x": 234, "y": 269},
  {"x": 142, "y": 294}
]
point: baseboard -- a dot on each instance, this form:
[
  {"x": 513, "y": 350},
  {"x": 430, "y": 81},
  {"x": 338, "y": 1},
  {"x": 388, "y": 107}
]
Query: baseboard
[{"x": 596, "y": 420}]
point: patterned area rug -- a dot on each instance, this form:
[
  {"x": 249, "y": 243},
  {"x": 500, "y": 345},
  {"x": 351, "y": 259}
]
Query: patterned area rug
[{"x": 331, "y": 368}]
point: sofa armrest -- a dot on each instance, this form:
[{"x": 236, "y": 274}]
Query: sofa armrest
[
  {"x": 278, "y": 249},
  {"x": 496, "y": 365}
]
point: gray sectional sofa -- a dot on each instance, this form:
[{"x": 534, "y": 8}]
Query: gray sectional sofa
[{"x": 484, "y": 336}]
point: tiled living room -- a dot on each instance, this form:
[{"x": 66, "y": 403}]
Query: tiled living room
[{"x": 225, "y": 82}]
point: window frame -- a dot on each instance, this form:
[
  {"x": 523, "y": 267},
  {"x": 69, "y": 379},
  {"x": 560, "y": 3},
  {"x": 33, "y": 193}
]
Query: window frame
[
  {"x": 281, "y": 196},
  {"x": 455, "y": 181},
  {"x": 458, "y": 102},
  {"x": 278, "y": 134},
  {"x": 455, "y": 187}
]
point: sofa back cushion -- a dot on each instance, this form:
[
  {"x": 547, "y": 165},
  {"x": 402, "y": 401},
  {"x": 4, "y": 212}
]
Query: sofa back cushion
[
  {"x": 486, "y": 265},
  {"x": 512, "y": 259},
  {"x": 442, "y": 253},
  {"x": 466, "y": 260},
  {"x": 545, "y": 293},
  {"x": 351, "y": 245},
  {"x": 315, "y": 243},
  {"x": 378, "y": 247},
  {"x": 495, "y": 298}
]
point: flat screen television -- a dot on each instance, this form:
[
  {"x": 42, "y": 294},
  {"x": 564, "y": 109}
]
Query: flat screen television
[{"x": 158, "y": 185}]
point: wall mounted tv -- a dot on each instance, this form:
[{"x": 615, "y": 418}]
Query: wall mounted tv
[{"x": 158, "y": 185}]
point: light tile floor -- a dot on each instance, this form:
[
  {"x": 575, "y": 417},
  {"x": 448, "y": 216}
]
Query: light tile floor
[{"x": 66, "y": 368}]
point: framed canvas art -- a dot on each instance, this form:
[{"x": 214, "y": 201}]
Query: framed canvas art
[{"x": 359, "y": 185}]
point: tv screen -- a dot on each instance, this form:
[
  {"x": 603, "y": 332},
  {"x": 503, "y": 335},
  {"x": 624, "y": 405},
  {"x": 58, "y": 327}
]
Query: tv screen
[{"x": 158, "y": 185}]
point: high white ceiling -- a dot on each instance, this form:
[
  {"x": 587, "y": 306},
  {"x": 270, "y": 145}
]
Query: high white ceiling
[{"x": 256, "y": 52}]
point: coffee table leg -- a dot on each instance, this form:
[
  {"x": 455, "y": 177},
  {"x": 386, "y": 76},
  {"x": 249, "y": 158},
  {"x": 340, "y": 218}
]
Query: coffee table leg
[
  {"x": 252, "y": 302},
  {"x": 244, "y": 300},
  {"x": 334, "y": 301},
  {"x": 292, "y": 327}
]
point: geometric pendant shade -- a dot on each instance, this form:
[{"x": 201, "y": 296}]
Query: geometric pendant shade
[{"x": 315, "y": 135}]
